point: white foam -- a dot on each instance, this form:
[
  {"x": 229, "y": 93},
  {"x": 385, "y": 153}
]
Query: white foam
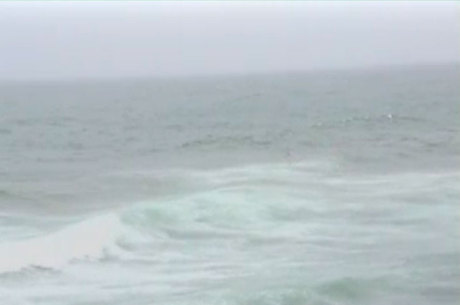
[{"x": 89, "y": 239}]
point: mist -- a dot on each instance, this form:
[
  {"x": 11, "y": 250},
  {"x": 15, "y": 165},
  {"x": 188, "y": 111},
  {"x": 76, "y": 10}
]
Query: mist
[{"x": 52, "y": 40}]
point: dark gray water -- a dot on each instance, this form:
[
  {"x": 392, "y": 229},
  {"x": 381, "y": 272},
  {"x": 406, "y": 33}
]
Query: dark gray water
[{"x": 316, "y": 188}]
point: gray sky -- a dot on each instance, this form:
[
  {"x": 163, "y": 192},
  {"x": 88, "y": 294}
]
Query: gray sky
[{"x": 124, "y": 39}]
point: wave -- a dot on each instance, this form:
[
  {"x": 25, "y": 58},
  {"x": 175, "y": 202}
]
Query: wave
[
  {"x": 90, "y": 240},
  {"x": 218, "y": 205},
  {"x": 255, "y": 205},
  {"x": 368, "y": 120},
  {"x": 226, "y": 141}
]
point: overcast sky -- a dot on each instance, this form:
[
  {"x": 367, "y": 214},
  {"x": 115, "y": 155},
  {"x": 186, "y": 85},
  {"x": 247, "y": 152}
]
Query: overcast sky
[{"x": 137, "y": 39}]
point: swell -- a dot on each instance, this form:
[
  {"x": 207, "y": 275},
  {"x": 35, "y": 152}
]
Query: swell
[
  {"x": 226, "y": 142},
  {"x": 239, "y": 213}
]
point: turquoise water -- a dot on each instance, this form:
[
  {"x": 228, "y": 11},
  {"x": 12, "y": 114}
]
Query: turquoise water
[{"x": 317, "y": 188}]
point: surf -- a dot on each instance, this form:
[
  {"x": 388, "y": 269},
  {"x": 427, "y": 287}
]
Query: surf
[{"x": 90, "y": 240}]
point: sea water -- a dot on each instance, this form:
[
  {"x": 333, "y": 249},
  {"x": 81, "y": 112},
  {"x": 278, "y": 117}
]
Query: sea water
[{"x": 338, "y": 187}]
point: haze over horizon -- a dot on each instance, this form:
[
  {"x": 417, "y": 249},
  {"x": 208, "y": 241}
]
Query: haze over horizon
[{"x": 52, "y": 40}]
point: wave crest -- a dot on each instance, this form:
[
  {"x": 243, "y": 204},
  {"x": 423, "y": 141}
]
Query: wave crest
[{"x": 91, "y": 239}]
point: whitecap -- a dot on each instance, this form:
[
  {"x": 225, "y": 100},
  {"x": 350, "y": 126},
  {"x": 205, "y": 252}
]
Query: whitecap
[{"x": 90, "y": 239}]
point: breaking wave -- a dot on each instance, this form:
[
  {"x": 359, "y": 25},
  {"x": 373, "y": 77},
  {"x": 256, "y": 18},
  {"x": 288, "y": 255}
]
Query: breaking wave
[{"x": 88, "y": 240}]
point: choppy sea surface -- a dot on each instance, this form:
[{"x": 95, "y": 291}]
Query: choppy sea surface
[{"x": 316, "y": 188}]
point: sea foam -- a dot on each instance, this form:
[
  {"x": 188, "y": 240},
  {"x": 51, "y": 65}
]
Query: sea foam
[{"x": 90, "y": 239}]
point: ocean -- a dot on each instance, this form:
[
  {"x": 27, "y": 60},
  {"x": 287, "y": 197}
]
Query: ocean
[{"x": 327, "y": 187}]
